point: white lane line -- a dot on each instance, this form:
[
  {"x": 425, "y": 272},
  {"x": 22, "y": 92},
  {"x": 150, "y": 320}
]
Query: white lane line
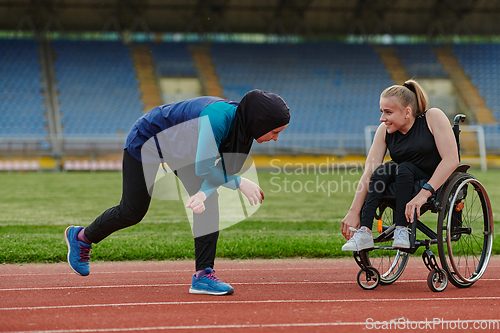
[
  {"x": 367, "y": 324},
  {"x": 167, "y": 271},
  {"x": 283, "y": 301},
  {"x": 177, "y": 285},
  {"x": 165, "y": 285},
  {"x": 98, "y": 287},
  {"x": 161, "y": 328},
  {"x": 173, "y": 285}
]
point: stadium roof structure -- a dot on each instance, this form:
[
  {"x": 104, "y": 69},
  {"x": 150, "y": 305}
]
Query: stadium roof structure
[{"x": 309, "y": 18}]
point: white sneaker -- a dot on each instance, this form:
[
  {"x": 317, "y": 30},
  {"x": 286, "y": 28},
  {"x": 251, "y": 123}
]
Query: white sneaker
[
  {"x": 361, "y": 240},
  {"x": 401, "y": 238}
]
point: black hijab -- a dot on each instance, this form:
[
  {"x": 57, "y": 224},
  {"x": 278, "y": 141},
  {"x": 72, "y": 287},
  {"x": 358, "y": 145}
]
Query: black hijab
[{"x": 258, "y": 113}]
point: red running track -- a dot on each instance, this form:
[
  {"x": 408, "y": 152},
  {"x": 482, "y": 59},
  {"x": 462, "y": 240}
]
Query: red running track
[{"x": 270, "y": 295}]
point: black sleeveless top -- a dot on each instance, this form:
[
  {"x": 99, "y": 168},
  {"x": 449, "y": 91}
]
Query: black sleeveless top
[{"x": 417, "y": 146}]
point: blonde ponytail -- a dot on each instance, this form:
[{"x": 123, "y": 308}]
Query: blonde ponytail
[{"x": 409, "y": 94}]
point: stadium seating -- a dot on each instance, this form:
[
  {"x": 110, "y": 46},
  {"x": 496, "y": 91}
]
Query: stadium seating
[
  {"x": 481, "y": 64},
  {"x": 332, "y": 89},
  {"x": 420, "y": 61},
  {"x": 98, "y": 90},
  {"x": 173, "y": 59},
  {"x": 22, "y": 108}
]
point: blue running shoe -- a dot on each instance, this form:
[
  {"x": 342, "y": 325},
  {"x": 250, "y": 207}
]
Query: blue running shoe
[
  {"x": 209, "y": 284},
  {"x": 78, "y": 252}
]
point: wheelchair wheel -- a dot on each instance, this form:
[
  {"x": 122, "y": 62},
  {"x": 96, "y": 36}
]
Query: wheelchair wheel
[
  {"x": 389, "y": 262},
  {"x": 368, "y": 278},
  {"x": 437, "y": 280},
  {"x": 465, "y": 230}
]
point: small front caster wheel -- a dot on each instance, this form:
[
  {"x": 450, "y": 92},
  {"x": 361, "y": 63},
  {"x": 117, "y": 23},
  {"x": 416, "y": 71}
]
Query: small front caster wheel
[
  {"x": 437, "y": 280},
  {"x": 368, "y": 278}
]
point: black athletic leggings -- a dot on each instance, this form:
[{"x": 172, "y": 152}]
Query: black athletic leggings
[
  {"x": 135, "y": 203},
  {"x": 404, "y": 174}
]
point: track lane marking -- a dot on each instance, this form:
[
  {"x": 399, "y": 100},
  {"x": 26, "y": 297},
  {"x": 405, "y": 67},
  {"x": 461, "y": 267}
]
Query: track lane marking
[
  {"x": 184, "y": 270},
  {"x": 372, "y": 300},
  {"x": 169, "y": 271},
  {"x": 132, "y": 329},
  {"x": 187, "y": 284},
  {"x": 176, "y": 285},
  {"x": 243, "y": 326}
]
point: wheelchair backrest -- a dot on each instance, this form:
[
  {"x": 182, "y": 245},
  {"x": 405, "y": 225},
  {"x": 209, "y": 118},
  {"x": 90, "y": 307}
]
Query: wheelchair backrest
[{"x": 456, "y": 130}]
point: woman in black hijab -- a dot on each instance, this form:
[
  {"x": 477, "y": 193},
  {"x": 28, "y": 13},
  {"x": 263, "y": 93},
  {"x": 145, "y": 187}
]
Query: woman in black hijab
[{"x": 206, "y": 141}]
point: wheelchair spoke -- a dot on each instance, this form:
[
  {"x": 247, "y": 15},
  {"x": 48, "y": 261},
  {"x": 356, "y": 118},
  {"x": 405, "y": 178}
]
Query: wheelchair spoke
[
  {"x": 468, "y": 234},
  {"x": 478, "y": 211}
]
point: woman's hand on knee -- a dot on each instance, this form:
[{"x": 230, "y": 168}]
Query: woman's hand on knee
[
  {"x": 197, "y": 202},
  {"x": 252, "y": 191},
  {"x": 351, "y": 220}
]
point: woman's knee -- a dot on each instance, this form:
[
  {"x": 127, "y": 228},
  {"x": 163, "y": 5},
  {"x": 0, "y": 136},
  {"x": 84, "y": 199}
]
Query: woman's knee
[
  {"x": 406, "y": 166},
  {"x": 384, "y": 172},
  {"x": 405, "y": 170},
  {"x": 131, "y": 215}
]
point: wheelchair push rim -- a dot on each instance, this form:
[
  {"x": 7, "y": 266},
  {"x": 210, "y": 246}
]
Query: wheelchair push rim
[{"x": 467, "y": 237}]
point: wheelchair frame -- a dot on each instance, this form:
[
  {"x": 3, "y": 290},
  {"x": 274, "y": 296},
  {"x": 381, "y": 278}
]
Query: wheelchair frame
[{"x": 449, "y": 202}]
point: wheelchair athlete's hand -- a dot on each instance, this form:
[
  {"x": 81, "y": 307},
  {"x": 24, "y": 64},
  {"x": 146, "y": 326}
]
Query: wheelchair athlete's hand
[
  {"x": 414, "y": 205},
  {"x": 351, "y": 220},
  {"x": 196, "y": 202}
]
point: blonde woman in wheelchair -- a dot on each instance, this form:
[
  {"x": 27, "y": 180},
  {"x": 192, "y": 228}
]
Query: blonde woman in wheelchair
[{"x": 421, "y": 144}]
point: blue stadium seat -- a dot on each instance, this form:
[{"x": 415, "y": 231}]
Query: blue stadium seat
[
  {"x": 420, "y": 61},
  {"x": 481, "y": 65},
  {"x": 324, "y": 84},
  {"x": 22, "y": 112},
  {"x": 97, "y": 85},
  {"x": 173, "y": 59}
]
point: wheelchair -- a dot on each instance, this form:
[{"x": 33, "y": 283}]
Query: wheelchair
[{"x": 464, "y": 235}]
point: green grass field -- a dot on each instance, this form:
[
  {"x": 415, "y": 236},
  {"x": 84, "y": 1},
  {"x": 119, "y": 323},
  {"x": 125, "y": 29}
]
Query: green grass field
[{"x": 294, "y": 220}]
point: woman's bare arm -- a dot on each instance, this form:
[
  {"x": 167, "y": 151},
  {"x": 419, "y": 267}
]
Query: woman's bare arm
[
  {"x": 373, "y": 161},
  {"x": 447, "y": 147}
]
